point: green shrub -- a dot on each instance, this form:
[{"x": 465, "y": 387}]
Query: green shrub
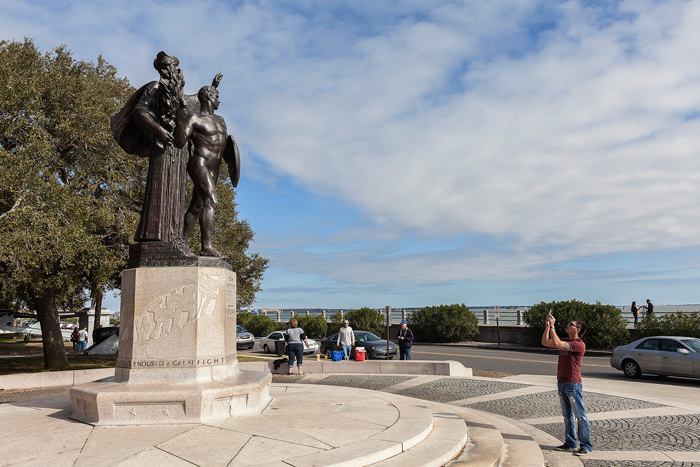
[
  {"x": 444, "y": 323},
  {"x": 671, "y": 324},
  {"x": 258, "y": 325},
  {"x": 314, "y": 327},
  {"x": 366, "y": 319},
  {"x": 605, "y": 327}
]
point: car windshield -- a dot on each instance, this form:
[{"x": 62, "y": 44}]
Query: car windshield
[
  {"x": 240, "y": 328},
  {"x": 366, "y": 336},
  {"x": 693, "y": 344}
]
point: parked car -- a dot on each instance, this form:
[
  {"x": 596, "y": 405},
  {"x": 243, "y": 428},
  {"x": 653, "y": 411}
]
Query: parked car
[
  {"x": 267, "y": 343},
  {"x": 658, "y": 355},
  {"x": 375, "y": 347},
  {"x": 244, "y": 339}
]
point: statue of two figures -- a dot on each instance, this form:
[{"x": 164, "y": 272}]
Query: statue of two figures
[{"x": 180, "y": 135}]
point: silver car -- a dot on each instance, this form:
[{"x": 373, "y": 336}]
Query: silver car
[
  {"x": 244, "y": 339},
  {"x": 658, "y": 355}
]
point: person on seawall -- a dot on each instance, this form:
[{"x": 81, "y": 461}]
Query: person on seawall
[
  {"x": 569, "y": 385},
  {"x": 346, "y": 339},
  {"x": 649, "y": 307},
  {"x": 405, "y": 338},
  {"x": 635, "y": 312}
]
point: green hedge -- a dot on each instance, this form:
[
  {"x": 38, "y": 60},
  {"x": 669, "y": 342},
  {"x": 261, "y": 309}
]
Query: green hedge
[
  {"x": 258, "y": 325},
  {"x": 605, "y": 327},
  {"x": 444, "y": 323},
  {"x": 671, "y": 324},
  {"x": 314, "y": 327},
  {"x": 366, "y": 319}
]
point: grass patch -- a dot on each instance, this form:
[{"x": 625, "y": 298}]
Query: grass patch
[
  {"x": 35, "y": 364},
  {"x": 10, "y": 345}
]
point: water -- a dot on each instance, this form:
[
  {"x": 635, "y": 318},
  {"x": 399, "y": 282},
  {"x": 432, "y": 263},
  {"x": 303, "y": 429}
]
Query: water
[{"x": 507, "y": 315}]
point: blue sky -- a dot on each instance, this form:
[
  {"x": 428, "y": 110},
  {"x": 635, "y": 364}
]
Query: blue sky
[{"x": 426, "y": 152}]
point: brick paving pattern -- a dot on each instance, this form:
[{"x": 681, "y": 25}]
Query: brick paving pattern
[
  {"x": 665, "y": 433},
  {"x": 363, "y": 381},
  {"x": 453, "y": 389},
  {"x": 546, "y": 404},
  {"x": 16, "y": 395},
  {"x": 608, "y": 463}
]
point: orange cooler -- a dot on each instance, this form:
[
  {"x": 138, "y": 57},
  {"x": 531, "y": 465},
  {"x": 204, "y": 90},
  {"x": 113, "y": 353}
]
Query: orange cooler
[{"x": 360, "y": 354}]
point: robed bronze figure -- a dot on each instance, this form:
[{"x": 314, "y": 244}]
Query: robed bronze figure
[{"x": 146, "y": 127}]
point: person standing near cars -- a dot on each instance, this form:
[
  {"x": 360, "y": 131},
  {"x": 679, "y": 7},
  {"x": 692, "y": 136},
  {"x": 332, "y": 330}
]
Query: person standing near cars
[
  {"x": 405, "y": 341},
  {"x": 649, "y": 307},
  {"x": 82, "y": 340},
  {"x": 569, "y": 384},
  {"x": 346, "y": 339},
  {"x": 295, "y": 348}
]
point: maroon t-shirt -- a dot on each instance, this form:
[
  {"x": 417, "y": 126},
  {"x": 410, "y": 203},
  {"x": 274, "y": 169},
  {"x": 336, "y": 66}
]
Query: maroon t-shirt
[{"x": 569, "y": 366}]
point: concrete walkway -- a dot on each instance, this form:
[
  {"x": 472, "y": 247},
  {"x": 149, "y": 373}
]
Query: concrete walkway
[{"x": 362, "y": 419}]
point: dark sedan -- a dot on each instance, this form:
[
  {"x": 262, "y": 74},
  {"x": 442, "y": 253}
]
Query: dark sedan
[{"x": 373, "y": 345}]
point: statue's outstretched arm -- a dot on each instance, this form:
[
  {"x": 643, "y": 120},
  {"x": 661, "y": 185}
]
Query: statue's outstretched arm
[{"x": 217, "y": 79}]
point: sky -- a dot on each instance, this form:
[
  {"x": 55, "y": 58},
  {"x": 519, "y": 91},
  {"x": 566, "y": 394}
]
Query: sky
[{"x": 420, "y": 153}]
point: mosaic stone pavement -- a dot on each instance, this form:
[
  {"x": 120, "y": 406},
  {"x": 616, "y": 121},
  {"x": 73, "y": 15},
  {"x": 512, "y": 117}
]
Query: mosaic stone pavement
[
  {"x": 453, "y": 389},
  {"x": 665, "y": 433},
  {"x": 546, "y": 404},
  {"x": 360, "y": 381},
  {"x": 609, "y": 463}
]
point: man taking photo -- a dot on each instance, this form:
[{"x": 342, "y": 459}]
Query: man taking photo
[{"x": 571, "y": 350}]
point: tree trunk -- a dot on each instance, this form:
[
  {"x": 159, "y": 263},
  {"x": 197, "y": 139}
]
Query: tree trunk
[
  {"x": 99, "y": 293},
  {"x": 54, "y": 350}
]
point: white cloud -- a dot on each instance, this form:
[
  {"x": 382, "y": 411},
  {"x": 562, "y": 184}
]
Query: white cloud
[{"x": 523, "y": 135}]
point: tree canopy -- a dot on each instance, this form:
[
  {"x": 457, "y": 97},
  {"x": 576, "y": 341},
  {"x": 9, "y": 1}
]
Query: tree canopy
[{"x": 69, "y": 196}]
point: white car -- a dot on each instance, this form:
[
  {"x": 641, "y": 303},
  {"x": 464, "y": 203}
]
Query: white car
[{"x": 268, "y": 343}]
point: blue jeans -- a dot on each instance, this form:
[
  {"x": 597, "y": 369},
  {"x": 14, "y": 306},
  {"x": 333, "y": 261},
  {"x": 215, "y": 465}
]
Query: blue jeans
[
  {"x": 571, "y": 400},
  {"x": 82, "y": 345},
  {"x": 404, "y": 353},
  {"x": 295, "y": 351},
  {"x": 347, "y": 350}
]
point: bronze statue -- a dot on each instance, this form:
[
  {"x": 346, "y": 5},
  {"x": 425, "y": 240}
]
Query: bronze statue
[
  {"x": 207, "y": 133},
  {"x": 157, "y": 122},
  {"x": 145, "y": 127}
]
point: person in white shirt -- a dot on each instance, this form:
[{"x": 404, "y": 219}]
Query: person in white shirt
[
  {"x": 82, "y": 340},
  {"x": 346, "y": 339}
]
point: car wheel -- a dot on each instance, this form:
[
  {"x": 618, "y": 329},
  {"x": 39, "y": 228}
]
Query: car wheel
[
  {"x": 631, "y": 369},
  {"x": 266, "y": 349},
  {"x": 329, "y": 353}
]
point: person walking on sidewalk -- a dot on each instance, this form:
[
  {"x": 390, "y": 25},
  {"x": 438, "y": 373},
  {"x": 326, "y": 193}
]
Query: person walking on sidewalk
[
  {"x": 405, "y": 341},
  {"x": 346, "y": 339},
  {"x": 569, "y": 384}
]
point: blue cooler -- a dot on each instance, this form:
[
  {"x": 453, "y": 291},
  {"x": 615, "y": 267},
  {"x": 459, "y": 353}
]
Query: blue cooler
[{"x": 338, "y": 355}]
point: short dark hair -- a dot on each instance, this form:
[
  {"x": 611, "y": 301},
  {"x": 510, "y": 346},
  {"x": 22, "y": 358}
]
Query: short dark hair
[{"x": 581, "y": 327}]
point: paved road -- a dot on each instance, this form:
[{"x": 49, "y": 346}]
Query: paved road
[
  {"x": 503, "y": 361},
  {"x": 510, "y": 362}
]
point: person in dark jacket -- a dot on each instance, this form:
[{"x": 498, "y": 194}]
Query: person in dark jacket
[{"x": 405, "y": 341}]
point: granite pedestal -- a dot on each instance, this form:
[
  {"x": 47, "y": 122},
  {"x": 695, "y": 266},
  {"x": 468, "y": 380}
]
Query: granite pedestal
[{"x": 177, "y": 358}]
